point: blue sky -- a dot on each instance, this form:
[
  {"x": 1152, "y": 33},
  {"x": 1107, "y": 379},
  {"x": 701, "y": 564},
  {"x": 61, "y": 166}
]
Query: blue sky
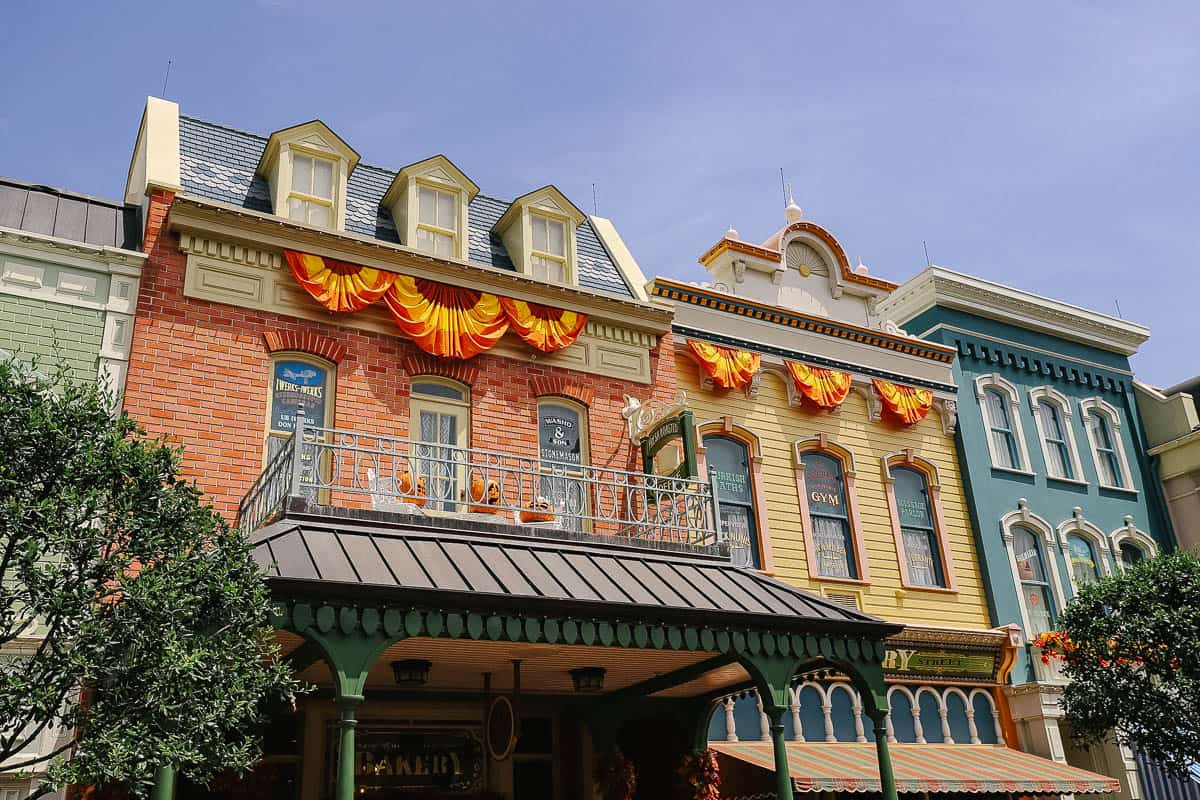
[{"x": 1051, "y": 146}]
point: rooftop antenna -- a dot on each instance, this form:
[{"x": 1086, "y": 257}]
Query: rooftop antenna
[
  {"x": 595, "y": 208},
  {"x": 928, "y": 263},
  {"x": 166, "y": 77},
  {"x": 1118, "y": 302}
]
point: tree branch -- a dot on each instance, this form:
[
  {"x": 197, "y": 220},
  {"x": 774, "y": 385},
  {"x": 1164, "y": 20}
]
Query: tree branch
[{"x": 40, "y": 759}]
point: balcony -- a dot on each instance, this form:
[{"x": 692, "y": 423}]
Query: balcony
[{"x": 461, "y": 488}]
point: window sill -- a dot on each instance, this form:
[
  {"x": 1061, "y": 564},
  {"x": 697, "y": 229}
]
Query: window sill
[
  {"x": 1071, "y": 481},
  {"x": 1014, "y": 471},
  {"x": 849, "y": 581},
  {"x": 908, "y": 587},
  {"x": 1122, "y": 489}
]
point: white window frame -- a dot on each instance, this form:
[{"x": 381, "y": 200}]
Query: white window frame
[
  {"x": 995, "y": 382},
  {"x": 1131, "y": 533},
  {"x": 1097, "y": 405},
  {"x": 460, "y": 409},
  {"x": 330, "y": 202},
  {"x": 455, "y": 196},
  {"x": 568, "y": 277},
  {"x": 1026, "y": 518},
  {"x": 1079, "y": 526},
  {"x": 1051, "y": 395}
]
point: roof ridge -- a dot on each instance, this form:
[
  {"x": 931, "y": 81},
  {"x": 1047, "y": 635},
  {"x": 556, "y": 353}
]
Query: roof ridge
[{"x": 68, "y": 193}]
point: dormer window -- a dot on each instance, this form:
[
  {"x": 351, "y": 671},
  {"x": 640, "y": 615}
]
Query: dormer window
[
  {"x": 311, "y": 198},
  {"x": 437, "y": 222},
  {"x": 306, "y": 167},
  {"x": 549, "y": 253}
]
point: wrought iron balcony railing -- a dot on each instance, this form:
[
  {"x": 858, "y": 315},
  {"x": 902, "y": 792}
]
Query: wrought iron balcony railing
[{"x": 335, "y": 467}]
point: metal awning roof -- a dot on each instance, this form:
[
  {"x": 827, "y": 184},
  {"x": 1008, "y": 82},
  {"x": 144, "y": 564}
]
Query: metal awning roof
[
  {"x": 351, "y": 556},
  {"x": 970, "y": 768}
]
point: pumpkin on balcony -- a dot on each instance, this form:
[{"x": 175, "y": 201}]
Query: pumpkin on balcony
[
  {"x": 487, "y": 493},
  {"x": 539, "y": 510},
  {"x": 404, "y": 480}
]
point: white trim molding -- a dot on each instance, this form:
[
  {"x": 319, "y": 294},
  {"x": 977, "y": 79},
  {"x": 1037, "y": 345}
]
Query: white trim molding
[
  {"x": 1012, "y": 395},
  {"x": 1097, "y": 405},
  {"x": 938, "y": 286},
  {"x": 1022, "y": 516},
  {"x": 1130, "y": 532},
  {"x": 1051, "y": 395}
]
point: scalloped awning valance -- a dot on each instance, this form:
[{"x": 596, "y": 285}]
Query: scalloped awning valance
[
  {"x": 728, "y": 368},
  {"x": 825, "y": 388},
  {"x": 906, "y": 404}
]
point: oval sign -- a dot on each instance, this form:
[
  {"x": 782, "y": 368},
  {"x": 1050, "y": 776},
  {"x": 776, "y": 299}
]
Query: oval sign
[{"x": 501, "y": 729}]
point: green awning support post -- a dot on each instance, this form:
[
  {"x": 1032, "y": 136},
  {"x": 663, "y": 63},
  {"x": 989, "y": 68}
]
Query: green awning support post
[
  {"x": 344, "y": 788},
  {"x": 164, "y": 783},
  {"x": 887, "y": 777},
  {"x": 772, "y": 676}
]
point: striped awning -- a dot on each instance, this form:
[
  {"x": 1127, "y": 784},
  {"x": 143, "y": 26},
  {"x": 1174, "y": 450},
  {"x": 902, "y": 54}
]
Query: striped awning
[
  {"x": 1158, "y": 784},
  {"x": 977, "y": 768}
]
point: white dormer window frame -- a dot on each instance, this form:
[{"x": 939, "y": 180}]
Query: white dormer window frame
[
  {"x": 312, "y": 144},
  {"x": 444, "y": 234},
  {"x": 1109, "y": 416},
  {"x": 531, "y": 246},
  {"x": 996, "y": 385},
  {"x": 1065, "y": 437}
]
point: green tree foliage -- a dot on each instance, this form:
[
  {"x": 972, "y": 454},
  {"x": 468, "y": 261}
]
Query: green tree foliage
[
  {"x": 139, "y": 617},
  {"x": 1132, "y": 653}
]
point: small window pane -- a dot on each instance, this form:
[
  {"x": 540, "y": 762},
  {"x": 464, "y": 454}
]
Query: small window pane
[
  {"x": 546, "y": 270},
  {"x": 302, "y": 167},
  {"x": 912, "y": 498},
  {"x": 427, "y": 206},
  {"x": 295, "y": 383},
  {"x": 924, "y": 566},
  {"x": 1003, "y": 441},
  {"x": 323, "y": 179},
  {"x": 729, "y": 465},
  {"x": 1037, "y": 606},
  {"x": 1131, "y": 554},
  {"x": 297, "y": 210},
  {"x": 318, "y": 215},
  {"x": 430, "y": 389},
  {"x": 1083, "y": 559},
  {"x": 556, "y": 245},
  {"x": 446, "y": 215},
  {"x": 1028, "y": 556},
  {"x": 826, "y": 499},
  {"x": 443, "y": 245},
  {"x": 560, "y": 434},
  {"x": 539, "y": 233},
  {"x": 425, "y": 240}
]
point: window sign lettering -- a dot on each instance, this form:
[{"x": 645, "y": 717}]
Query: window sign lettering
[
  {"x": 559, "y": 435},
  {"x": 294, "y": 383},
  {"x": 829, "y": 516},
  {"x": 391, "y": 761},
  {"x": 823, "y": 479},
  {"x": 729, "y": 465}
]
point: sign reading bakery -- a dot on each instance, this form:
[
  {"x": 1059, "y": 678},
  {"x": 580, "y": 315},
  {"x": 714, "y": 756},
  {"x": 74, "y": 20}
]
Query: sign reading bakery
[{"x": 389, "y": 763}]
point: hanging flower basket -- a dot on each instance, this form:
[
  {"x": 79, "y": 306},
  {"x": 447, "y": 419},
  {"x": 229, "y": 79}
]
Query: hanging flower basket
[{"x": 701, "y": 776}]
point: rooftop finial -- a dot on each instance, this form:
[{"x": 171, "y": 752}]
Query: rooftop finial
[
  {"x": 792, "y": 212},
  {"x": 731, "y": 233}
]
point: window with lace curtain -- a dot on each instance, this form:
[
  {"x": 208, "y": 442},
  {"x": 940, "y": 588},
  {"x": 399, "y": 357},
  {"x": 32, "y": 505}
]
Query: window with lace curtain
[
  {"x": 829, "y": 514},
  {"x": 440, "y": 427}
]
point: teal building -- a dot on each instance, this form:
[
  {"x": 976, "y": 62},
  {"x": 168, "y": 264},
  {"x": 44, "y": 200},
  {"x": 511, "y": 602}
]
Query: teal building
[{"x": 1054, "y": 464}]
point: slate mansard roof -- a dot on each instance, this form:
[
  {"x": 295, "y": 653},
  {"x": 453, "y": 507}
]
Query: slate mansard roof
[
  {"x": 69, "y": 215},
  {"x": 218, "y": 163}
]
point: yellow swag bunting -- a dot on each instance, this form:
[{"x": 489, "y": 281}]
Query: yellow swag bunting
[
  {"x": 547, "y": 329},
  {"x": 728, "y": 368},
  {"x": 337, "y": 285},
  {"x": 446, "y": 321},
  {"x": 906, "y": 403},
  {"x": 826, "y": 388}
]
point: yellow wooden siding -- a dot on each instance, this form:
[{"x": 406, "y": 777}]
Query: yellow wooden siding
[{"x": 777, "y": 425}]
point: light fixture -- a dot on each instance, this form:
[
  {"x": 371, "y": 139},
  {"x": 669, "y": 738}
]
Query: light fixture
[
  {"x": 588, "y": 679},
  {"x": 412, "y": 672}
]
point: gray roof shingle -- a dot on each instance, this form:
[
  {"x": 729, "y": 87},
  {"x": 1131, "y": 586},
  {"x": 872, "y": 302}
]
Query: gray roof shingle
[
  {"x": 69, "y": 215},
  {"x": 218, "y": 163}
]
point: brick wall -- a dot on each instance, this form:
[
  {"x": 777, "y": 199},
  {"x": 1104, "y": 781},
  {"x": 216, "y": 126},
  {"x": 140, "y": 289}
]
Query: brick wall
[
  {"x": 199, "y": 373},
  {"x": 33, "y": 327}
]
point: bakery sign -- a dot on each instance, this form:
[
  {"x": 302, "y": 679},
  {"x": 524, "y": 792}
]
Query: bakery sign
[
  {"x": 390, "y": 761},
  {"x": 940, "y": 663}
]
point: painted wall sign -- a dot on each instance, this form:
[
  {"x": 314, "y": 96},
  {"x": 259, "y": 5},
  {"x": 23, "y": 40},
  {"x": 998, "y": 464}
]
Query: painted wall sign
[
  {"x": 390, "y": 761},
  {"x": 944, "y": 663},
  {"x": 293, "y": 383},
  {"x": 559, "y": 435}
]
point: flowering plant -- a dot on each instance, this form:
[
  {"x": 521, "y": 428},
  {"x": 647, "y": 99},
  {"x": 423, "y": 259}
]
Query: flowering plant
[
  {"x": 1054, "y": 645},
  {"x": 615, "y": 777},
  {"x": 701, "y": 776}
]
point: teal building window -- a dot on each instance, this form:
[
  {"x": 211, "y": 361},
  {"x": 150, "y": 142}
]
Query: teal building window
[
  {"x": 1103, "y": 425},
  {"x": 1131, "y": 554},
  {"x": 1004, "y": 442},
  {"x": 1036, "y": 596},
  {"x": 1084, "y": 567},
  {"x": 1056, "y": 444}
]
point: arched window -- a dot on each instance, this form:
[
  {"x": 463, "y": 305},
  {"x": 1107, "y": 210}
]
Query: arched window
[
  {"x": 918, "y": 530},
  {"x": 1084, "y": 567},
  {"x": 1004, "y": 442},
  {"x": 728, "y": 460},
  {"x": 1052, "y": 412},
  {"x": 297, "y": 380},
  {"x": 1036, "y": 597},
  {"x": 563, "y": 455},
  {"x": 1000, "y": 404},
  {"x": 825, "y": 478},
  {"x": 1131, "y": 554},
  {"x": 1103, "y": 425},
  {"x": 440, "y": 427}
]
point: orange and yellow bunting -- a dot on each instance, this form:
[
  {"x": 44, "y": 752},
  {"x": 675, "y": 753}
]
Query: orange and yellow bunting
[
  {"x": 826, "y": 388},
  {"x": 906, "y": 403},
  {"x": 728, "y": 368},
  {"x": 339, "y": 286},
  {"x": 446, "y": 321},
  {"x": 547, "y": 329}
]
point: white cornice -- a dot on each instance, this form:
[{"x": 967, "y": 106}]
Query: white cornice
[
  {"x": 78, "y": 254},
  {"x": 944, "y": 287}
]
